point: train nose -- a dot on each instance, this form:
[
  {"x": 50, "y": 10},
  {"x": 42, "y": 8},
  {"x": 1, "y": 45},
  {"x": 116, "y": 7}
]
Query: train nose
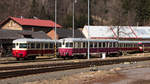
[{"x": 20, "y": 54}]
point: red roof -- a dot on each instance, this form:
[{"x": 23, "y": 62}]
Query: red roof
[{"x": 34, "y": 22}]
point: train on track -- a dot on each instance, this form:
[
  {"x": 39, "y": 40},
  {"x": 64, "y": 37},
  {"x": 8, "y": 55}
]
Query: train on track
[{"x": 75, "y": 47}]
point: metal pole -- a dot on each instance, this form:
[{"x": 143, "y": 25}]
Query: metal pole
[
  {"x": 88, "y": 29},
  {"x": 75, "y": 1},
  {"x": 55, "y": 24},
  {"x": 73, "y": 21}
]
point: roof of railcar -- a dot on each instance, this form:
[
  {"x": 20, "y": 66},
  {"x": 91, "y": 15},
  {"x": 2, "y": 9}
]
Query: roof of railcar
[
  {"x": 24, "y": 40},
  {"x": 128, "y": 41},
  {"x": 145, "y": 42},
  {"x": 91, "y": 40}
]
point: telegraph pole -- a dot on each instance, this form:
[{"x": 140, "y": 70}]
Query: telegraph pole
[
  {"x": 88, "y": 29},
  {"x": 75, "y": 1},
  {"x": 55, "y": 25}
]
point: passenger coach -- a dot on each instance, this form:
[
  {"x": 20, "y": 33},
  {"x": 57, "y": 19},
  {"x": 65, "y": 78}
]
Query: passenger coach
[
  {"x": 128, "y": 46},
  {"x": 78, "y": 46},
  {"x": 30, "y": 48}
]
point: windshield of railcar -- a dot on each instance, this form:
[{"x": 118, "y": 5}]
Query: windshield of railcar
[
  {"x": 140, "y": 44},
  {"x": 23, "y": 45}
]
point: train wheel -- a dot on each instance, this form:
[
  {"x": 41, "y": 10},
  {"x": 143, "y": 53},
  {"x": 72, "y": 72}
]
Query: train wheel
[
  {"x": 64, "y": 58},
  {"x": 17, "y": 59}
]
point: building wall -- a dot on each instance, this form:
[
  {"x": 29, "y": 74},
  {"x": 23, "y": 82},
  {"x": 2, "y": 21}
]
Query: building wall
[
  {"x": 11, "y": 25},
  {"x": 52, "y": 35},
  {"x": 85, "y": 32},
  {"x": 35, "y": 28}
]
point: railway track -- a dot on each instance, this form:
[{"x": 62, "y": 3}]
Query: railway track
[
  {"x": 29, "y": 61},
  {"x": 8, "y": 72}
]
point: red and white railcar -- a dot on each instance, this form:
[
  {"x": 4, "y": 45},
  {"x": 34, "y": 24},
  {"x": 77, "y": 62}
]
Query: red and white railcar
[
  {"x": 78, "y": 46},
  {"x": 128, "y": 46},
  {"x": 30, "y": 48},
  {"x": 144, "y": 46}
]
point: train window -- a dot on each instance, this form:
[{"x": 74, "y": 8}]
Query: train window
[
  {"x": 32, "y": 45},
  {"x": 28, "y": 45},
  {"x": 51, "y": 45},
  {"x": 113, "y": 44},
  {"x": 38, "y": 45},
  {"x": 103, "y": 45},
  {"x": 71, "y": 44},
  {"x": 91, "y": 45},
  {"x": 79, "y": 45},
  {"x": 106, "y": 45},
  {"x": 76, "y": 44},
  {"x": 110, "y": 44},
  {"x": 58, "y": 45},
  {"x": 125, "y": 45},
  {"x": 46, "y": 45},
  {"x": 95, "y": 45},
  {"x": 129, "y": 45},
  {"x": 120, "y": 45},
  {"x": 116, "y": 44},
  {"x": 67, "y": 44},
  {"x": 23, "y": 45},
  {"x": 100, "y": 45},
  {"x": 83, "y": 44}
]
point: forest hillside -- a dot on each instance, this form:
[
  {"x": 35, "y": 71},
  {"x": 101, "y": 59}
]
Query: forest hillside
[{"x": 102, "y": 12}]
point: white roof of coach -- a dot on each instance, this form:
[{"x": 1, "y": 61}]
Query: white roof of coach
[
  {"x": 24, "y": 40},
  {"x": 145, "y": 41},
  {"x": 83, "y": 39},
  {"x": 128, "y": 41}
]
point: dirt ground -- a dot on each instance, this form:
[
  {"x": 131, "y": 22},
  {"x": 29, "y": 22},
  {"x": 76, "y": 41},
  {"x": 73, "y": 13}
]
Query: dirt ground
[{"x": 133, "y": 75}]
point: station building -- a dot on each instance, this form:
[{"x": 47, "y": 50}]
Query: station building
[
  {"x": 14, "y": 23},
  {"x": 117, "y": 32}
]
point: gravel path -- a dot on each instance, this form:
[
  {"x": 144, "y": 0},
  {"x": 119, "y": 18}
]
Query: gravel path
[{"x": 59, "y": 75}]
